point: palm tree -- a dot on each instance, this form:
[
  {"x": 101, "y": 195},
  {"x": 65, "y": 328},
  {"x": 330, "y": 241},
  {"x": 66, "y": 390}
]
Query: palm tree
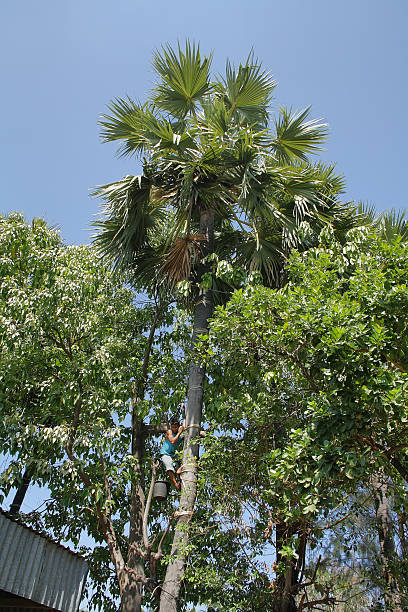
[{"x": 217, "y": 175}]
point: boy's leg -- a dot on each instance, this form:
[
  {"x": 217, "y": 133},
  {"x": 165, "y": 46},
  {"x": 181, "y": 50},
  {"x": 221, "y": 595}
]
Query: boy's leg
[
  {"x": 178, "y": 466},
  {"x": 172, "y": 477},
  {"x": 169, "y": 465}
]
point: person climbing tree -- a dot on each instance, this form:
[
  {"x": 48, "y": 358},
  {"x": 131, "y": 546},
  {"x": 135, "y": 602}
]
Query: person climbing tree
[{"x": 168, "y": 450}]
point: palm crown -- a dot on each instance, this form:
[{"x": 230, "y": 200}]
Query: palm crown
[{"x": 209, "y": 145}]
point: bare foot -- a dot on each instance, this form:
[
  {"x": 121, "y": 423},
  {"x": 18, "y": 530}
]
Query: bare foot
[
  {"x": 178, "y": 486},
  {"x": 179, "y": 470}
]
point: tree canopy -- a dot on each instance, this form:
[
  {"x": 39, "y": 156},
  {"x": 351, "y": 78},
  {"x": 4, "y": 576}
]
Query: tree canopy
[{"x": 309, "y": 388}]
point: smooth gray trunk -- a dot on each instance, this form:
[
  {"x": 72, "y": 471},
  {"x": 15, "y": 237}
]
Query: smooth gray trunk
[{"x": 203, "y": 311}]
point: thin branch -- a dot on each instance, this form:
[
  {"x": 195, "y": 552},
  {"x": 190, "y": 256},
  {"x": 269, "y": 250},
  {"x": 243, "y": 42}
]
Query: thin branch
[
  {"x": 393, "y": 460},
  {"x": 396, "y": 364},
  {"x": 157, "y": 430},
  {"x": 159, "y": 553},
  {"x": 59, "y": 343},
  {"x": 294, "y": 357},
  {"x": 313, "y": 578},
  {"x": 324, "y": 600},
  {"x": 155, "y": 465},
  {"x": 105, "y": 478},
  {"x": 103, "y": 517}
]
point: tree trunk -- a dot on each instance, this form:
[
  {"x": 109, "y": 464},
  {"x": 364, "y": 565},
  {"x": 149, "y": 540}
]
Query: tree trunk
[
  {"x": 20, "y": 493},
  {"x": 284, "y": 600},
  {"x": 131, "y": 599},
  {"x": 385, "y": 530},
  {"x": 130, "y": 583},
  {"x": 132, "y": 590},
  {"x": 131, "y": 595},
  {"x": 203, "y": 311}
]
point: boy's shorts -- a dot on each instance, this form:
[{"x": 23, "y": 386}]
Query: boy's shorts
[{"x": 170, "y": 464}]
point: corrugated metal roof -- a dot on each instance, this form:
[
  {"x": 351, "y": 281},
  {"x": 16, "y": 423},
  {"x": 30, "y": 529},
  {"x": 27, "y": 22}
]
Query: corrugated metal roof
[
  {"x": 42, "y": 534},
  {"x": 39, "y": 569}
]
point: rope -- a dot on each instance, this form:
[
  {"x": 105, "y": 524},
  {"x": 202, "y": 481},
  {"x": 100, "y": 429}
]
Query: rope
[
  {"x": 183, "y": 513},
  {"x": 194, "y": 425}
]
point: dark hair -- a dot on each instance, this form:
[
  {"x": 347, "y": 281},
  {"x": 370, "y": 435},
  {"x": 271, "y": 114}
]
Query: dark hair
[{"x": 174, "y": 420}]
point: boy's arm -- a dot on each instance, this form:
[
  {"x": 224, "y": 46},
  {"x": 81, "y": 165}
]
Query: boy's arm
[{"x": 174, "y": 437}]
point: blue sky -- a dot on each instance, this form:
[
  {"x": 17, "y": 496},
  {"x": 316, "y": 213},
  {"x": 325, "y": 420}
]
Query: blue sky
[{"x": 62, "y": 62}]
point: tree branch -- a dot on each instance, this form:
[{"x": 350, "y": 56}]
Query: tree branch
[
  {"x": 104, "y": 520},
  {"x": 105, "y": 479},
  {"x": 159, "y": 553},
  {"x": 147, "y": 507}
]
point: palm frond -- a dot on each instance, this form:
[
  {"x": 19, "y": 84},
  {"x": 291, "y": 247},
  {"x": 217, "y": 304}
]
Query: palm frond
[
  {"x": 331, "y": 181},
  {"x": 124, "y": 123},
  {"x": 184, "y": 79},
  {"x": 296, "y": 137},
  {"x": 257, "y": 200},
  {"x": 265, "y": 255},
  {"x": 367, "y": 212},
  {"x": 145, "y": 269},
  {"x": 246, "y": 91},
  {"x": 141, "y": 130},
  {"x": 389, "y": 225},
  {"x": 393, "y": 224},
  {"x": 228, "y": 239},
  {"x": 127, "y": 216},
  {"x": 214, "y": 119},
  {"x": 353, "y": 215}
]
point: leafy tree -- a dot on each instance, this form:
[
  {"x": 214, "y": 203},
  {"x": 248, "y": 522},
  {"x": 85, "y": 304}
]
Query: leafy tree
[
  {"x": 311, "y": 379},
  {"x": 222, "y": 179},
  {"x": 75, "y": 354}
]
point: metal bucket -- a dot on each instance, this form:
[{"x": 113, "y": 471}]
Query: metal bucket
[{"x": 160, "y": 489}]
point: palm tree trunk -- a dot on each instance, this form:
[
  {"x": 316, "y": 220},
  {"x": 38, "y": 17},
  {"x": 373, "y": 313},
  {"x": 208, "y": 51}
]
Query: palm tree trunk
[{"x": 203, "y": 311}]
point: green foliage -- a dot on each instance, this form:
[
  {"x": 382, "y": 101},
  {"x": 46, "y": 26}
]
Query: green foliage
[
  {"x": 308, "y": 389},
  {"x": 72, "y": 346},
  {"x": 333, "y": 341}
]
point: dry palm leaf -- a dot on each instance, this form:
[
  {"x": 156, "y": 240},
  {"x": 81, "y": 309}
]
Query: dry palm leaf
[{"x": 177, "y": 262}]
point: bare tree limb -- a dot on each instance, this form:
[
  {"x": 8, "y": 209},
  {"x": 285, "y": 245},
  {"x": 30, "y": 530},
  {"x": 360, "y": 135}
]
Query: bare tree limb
[{"x": 146, "y": 542}]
